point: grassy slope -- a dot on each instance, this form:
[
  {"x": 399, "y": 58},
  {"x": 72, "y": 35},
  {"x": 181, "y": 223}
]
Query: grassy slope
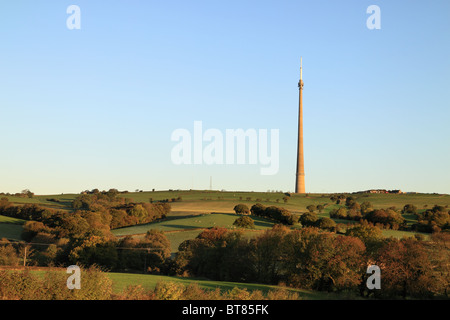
[
  {"x": 194, "y": 222},
  {"x": 65, "y": 201},
  {"x": 10, "y": 228},
  {"x": 4, "y": 219},
  {"x": 10, "y": 231},
  {"x": 179, "y": 229}
]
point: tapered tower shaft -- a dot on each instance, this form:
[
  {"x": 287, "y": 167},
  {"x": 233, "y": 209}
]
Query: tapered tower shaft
[{"x": 300, "y": 175}]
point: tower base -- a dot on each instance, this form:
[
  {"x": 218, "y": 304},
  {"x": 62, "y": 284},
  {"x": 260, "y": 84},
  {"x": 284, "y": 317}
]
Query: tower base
[{"x": 300, "y": 185}]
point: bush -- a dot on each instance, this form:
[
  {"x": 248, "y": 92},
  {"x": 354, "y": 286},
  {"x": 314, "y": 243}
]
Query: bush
[
  {"x": 134, "y": 292},
  {"x": 275, "y": 213},
  {"x": 435, "y": 217},
  {"x": 308, "y": 219},
  {"x": 409, "y": 208},
  {"x": 22, "y": 285},
  {"x": 241, "y": 209},
  {"x": 340, "y": 213},
  {"x": 257, "y": 210},
  {"x": 279, "y": 214},
  {"x": 238, "y": 294},
  {"x": 388, "y": 218},
  {"x": 169, "y": 291},
  {"x": 282, "y": 294},
  {"x": 370, "y": 235},
  {"x": 366, "y": 207},
  {"x": 8, "y": 255},
  {"x": 353, "y": 214},
  {"x": 326, "y": 224},
  {"x": 244, "y": 222}
]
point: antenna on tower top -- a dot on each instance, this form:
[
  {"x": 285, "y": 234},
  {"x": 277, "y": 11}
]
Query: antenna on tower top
[{"x": 301, "y": 68}]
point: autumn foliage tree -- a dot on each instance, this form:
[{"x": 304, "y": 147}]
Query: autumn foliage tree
[
  {"x": 244, "y": 222},
  {"x": 241, "y": 209},
  {"x": 369, "y": 234},
  {"x": 278, "y": 214},
  {"x": 321, "y": 261},
  {"x": 407, "y": 269},
  {"x": 266, "y": 254}
]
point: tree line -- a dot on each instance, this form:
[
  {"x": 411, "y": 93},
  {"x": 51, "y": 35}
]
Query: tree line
[
  {"x": 277, "y": 214},
  {"x": 429, "y": 220},
  {"x": 315, "y": 259},
  {"x": 84, "y": 235}
]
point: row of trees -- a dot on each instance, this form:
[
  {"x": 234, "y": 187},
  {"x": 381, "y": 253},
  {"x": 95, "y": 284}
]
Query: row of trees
[
  {"x": 319, "y": 260},
  {"x": 24, "y": 194},
  {"x": 309, "y": 219},
  {"x": 99, "y": 211},
  {"x": 388, "y": 218},
  {"x": 84, "y": 235},
  {"x": 430, "y": 220},
  {"x": 433, "y": 220},
  {"x": 147, "y": 254},
  {"x": 278, "y": 214}
]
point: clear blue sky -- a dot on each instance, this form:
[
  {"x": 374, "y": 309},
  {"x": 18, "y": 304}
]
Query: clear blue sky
[{"x": 95, "y": 107}]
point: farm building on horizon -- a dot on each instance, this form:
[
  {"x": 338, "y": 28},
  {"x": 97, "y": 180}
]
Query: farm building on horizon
[{"x": 380, "y": 191}]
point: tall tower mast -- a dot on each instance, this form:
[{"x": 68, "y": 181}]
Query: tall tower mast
[{"x": 300, "y": 175}]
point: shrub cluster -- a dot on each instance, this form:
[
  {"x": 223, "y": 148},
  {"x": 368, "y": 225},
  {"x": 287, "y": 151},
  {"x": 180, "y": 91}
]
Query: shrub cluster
[
  {"x": 96, "y": 285},
  {"x": 25, "y": 285},
  {"x": 241, "y": 209},
  {"x": 85, "y": 236},
  {"x": 150, "y": 253},
  {"x": 169, "y": 290},
  {"x": 274, "y": 213},
  {"x": 387, "y": 218},
  {"x": 309, "y": 219},
  {"x": 430, "y": 220},
  {"x": 244, "y": 222},
  {"x": 433, "y": 220}
]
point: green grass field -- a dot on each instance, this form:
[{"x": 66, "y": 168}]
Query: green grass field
[
  {"x": 4, "y": 219},
  {"x": 10, "y": 231},
  {"x": 65, "y": 201},
  {"x": 10, "y": 228},
  {"x": 179, "y": 229},
  {"x": 194, "y": 222}
]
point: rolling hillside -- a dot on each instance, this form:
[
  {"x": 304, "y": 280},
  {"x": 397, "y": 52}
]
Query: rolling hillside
[{"x": 196, "y": 210}]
